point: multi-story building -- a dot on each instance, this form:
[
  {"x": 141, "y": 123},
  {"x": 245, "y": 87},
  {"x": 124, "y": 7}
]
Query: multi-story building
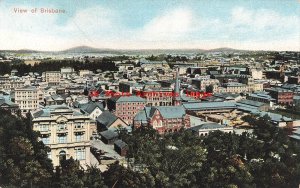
[
  {"x": 256, "y": 86},
  {"x": 148, "y": 65},
  {"x": 282, "y": 96},
  {"x": 126, "y": 107},
  {"x": 66, "y": 131},
  {"x": 256, "y": 73},
  {"x": 66, "y": 71},
  {"x": 7, "y": 83},
  {"x": 202, "y": 84},
  {"x": 164, "y": 119},
  {"x": 233, "y": 87},
  {"x": 261, "y": 97},
  {"x": 28, "y": 98},
  {"x": 83, "y": 73},
  {"x": 52, "y": 77}
]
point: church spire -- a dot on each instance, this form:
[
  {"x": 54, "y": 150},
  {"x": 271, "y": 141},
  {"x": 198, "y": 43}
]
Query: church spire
[{"x": 176, "y": 93}]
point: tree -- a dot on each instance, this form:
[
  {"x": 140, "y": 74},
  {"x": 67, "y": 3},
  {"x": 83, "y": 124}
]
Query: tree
[
  {"x": 93, "y": 178},
  {"x": 23, "y": 160},
  {"x": 118, "y": 176}
]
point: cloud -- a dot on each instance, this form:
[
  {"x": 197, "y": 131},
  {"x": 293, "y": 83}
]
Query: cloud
[
  {"x": 179, "y": 27},
  {"x": 169, "y": 26},
  {"x": 262, "y": 20},
  {"x": 42, "y": 31}
]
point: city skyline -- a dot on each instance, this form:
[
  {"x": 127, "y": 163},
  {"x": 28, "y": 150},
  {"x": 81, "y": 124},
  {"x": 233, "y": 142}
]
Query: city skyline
[{"x": 151, "y": 25}]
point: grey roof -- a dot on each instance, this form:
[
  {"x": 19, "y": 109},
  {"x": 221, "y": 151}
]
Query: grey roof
[
  {"x": 248, "y": 108},
  {"x": 4, "y": 100},
  {"x": 262, "y": 95},
  {"x": 106, "y": 118},
  {"x": 49, "y": 98},
  {"x": 132, "y": 98},
  {"x": 145, "y": 61},
  {"x": 141, "y": 116},
  {"x": 295, "y": 137},
  {"x": 57, "y": 97},
  {"x": 209, "y": 105},
  {"x": 109, "y": 134},
  {"x": 91, "y": 106},
  {"x": 226, "y": 95},
  {"x": 297, "y": 131},
  {"x": 278, "y": 89},
  {"x": 121, "y": 144},
  {"x": 251, "y": 103},
  {"x": 275, "y": 117},
  {"x": 27, "y": 87},
  {"x": 167, "y": 112},
  {"x": 234, "y": 84},
  {"x": 207, "y": 126},
  {"x": 296, "y": 134},
  {"x": 46, "y": 112}
]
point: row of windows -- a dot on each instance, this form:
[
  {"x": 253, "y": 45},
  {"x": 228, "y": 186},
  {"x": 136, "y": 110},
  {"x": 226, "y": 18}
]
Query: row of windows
[
  {"x": 133, "y": 103},
  {"x": 63, "y": 139},
  {"x": 61, "y": 127},
  {"x": 130, "y": 108}
]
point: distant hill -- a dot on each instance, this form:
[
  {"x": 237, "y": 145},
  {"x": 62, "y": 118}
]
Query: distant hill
[
  {"x": 24, "y": 51},
  {"x": 225, "y": 49},
  {"x": 88, "y": 49}
]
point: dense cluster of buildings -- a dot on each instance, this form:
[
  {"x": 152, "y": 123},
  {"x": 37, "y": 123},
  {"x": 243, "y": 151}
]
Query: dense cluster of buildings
[{"x": 70, "y": 107}]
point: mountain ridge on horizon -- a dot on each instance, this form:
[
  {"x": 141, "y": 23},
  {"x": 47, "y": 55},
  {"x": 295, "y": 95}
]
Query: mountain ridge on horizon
[{"x": 89, "y": 49}]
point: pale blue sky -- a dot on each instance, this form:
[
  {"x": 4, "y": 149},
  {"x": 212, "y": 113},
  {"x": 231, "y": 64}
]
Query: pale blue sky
[{"x": 206, "y": 24}]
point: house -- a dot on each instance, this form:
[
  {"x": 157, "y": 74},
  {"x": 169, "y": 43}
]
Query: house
[
  {"x": 109, "y": 136},
  {"x": 121, "y": 147},
  {"x": 93, "y": 109},
  {"x": 108, "y": 121},
  {"x": 163, "y": 118},
  {"x": 205, "y": 128},
  {"x": 54, "y": 100},
  {"x": 7, "y": 104}
]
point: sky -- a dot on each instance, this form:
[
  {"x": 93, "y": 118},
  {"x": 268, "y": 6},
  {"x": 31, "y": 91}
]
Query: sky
[{"x": 151, "y": 24}]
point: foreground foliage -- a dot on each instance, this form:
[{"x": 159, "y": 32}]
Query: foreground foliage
[{"x": 266, "y": 158}]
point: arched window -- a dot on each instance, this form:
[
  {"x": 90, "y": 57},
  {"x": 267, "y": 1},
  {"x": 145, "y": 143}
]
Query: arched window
[
  {"x": 155, "y": 123},
  {"x": 62, "y": 155}
]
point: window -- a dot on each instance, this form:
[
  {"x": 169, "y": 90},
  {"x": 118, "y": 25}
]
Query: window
[
  {"x": 46, "y": 140},
  {"x": 80, "y": 153},
  {"x": 49, "y": 155},
  {"x": 62, "y": 155},
  {"x": 79, "y": 137},
  {"x": 78, "y": 125},
  {"x": 62, "y": 139},
  {"x": 61, "y": 127},
  {"x": 44, "y": 128}
]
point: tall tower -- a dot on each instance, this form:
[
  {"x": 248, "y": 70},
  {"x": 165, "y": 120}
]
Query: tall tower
[{"x": 176, "y": 93}]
